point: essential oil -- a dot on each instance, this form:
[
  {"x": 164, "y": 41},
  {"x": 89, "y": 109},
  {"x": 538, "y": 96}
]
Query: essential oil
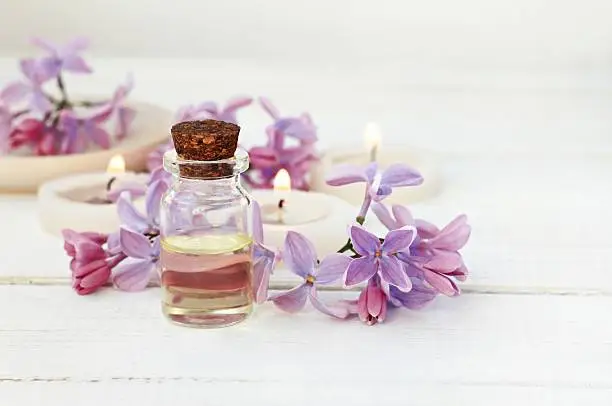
[{"x": 206, "y": 279}]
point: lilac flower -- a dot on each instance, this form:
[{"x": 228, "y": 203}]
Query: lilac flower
[
  {"x": 31, "y": 89},
  {"x": 133, "y": 219},
  {"x": 434, "y": 256},
  {"x": 379, "y": 258},
  {"x": 210, "y": 110},
  {"x": 78, "y": 131},
  {"x": 62, "y": 57},
  {"x": 135, "y": 272},
  {"x": 89, "y": 265},
  {"x": 301, "y": 128},
  {"x": 269, "y": 161},
  {"x": 264, "y": 258},
  {"x": 378, "y": 185},
  {"x": 115, "y": 107},
  {"x": 155, "y": 159},
  {"x": 300, "y": 257},
  {"x": 43, "y": 138},
  {"x": 372, "y": 303}
]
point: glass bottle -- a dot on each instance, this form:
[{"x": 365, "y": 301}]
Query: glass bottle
[{"x": 206, "y": 242}]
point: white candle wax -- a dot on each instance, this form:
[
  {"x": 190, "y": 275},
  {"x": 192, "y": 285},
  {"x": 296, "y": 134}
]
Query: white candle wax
[
  {"x": 386, "y": 155},
  {"x": 323, "y": 219},
  {"x": 70, "y": 202}
]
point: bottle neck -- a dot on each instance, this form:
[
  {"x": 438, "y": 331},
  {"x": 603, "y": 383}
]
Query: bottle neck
[{"x": 210, "y": 186}]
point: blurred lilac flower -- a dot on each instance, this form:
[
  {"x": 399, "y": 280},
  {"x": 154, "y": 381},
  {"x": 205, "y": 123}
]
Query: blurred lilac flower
[
  {"x": 379, "y": 185},
  {"x": 78, "y": 131},
  {"x": 30, "y": 90},
  {"x": 137, "y": 270},
  {"x": 379, "y": 258},
  {"x": 434, "y": 255},
  {"x": 35, "y": 133},
  {"x": 115, "y": 107},
  {"x": 269, "y": 161},
  {"x": 135, "y": 189},
  {"x": 301, "y": 128},
  {"x": 133, "y": 219},
  {"x": 155, "y": 159},
  {"x": 62, "y": 57},
  {"x": 264, "y": 258},
  {"x": 210, "y": 110},
  {"x": 300, "y": 257},
  {"x": 6, "y": 120},
  {"x": 89, "y": 265}
]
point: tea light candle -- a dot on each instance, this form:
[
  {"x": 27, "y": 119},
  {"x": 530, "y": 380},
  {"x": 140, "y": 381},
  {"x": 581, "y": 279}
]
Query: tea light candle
[
  {"x": 80, "y": 201},
  {"x": 323, "y": 219},
  {"x": 385, "y": 155}
]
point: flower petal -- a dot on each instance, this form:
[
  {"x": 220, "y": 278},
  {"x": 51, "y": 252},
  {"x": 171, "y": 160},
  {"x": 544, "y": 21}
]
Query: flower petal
[
  {"x": 444, "y": 261},
  {"x": 133, "y": 274},
  {"x": 299, "y": 255},
  {"x": 337, "y": 310},
  {"x": 261, "y": 279},
  {"x": 134, "y": 244},
  {"x": 238, "y": 102},
  {"x": 293, "y": 300},
  {"x": 401, "y": 175},
  {"x": 14, "y": 92},
  {"x": 360, "y": 270},
  {"x": 267, "y": 105},
  {"x": 364, "y": 242},
  {"x": 332, "y": 268},
  {"x": 402, "y": 215},
  {"x": 454, "y": 236},
  {"x": 96, "y": 278},
  {"x": 384, "y": 216},
  {"x": 128, "y": 214},
  {"x": 392, "y": 272},
  {"x": 76, "y": 64},
  {"x": 375, "y": 298},
  {"x": 257, "y": 225},
  {"x": 153, "y": 200},
  {"x": 419, "y": 295},
  {"x": 98, "y": 135},
  {"x": 399, "y": 240},
  {"x": 263, "y": 157},
  {"x": 441, "y": 283},
  {"x": 345, "y": 174},
  {"x": 426, "y": 229}
]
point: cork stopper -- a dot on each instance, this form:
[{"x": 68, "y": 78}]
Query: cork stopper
[{"x": 205, "y": 140}]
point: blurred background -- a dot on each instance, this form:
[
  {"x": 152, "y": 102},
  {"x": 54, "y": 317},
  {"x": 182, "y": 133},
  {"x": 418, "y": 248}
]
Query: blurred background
[{"x": 455, "y": 76}]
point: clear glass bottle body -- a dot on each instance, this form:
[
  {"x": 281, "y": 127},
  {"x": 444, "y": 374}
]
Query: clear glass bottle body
[{"x": 206, "y": 244}]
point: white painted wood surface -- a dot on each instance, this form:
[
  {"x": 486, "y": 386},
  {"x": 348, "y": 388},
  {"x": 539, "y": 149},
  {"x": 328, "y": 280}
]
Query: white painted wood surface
[
  {"x": 531, "y": 167},
  {"x": 478, "y": 349}
]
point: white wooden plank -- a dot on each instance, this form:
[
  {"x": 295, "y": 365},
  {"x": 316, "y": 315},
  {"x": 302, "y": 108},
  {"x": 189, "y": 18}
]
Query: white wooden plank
[
  {"x": 538, "y": 222},
  {"x": 519, "y": 347},
  {"x": 163, "y": 392}
]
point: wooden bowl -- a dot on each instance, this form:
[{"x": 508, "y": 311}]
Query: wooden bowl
[{"x": 151, "y": 126}]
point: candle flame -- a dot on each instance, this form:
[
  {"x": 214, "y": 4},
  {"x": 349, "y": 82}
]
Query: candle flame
[
  {"x": 282, "y": 181},
  {"x": 116, "y": 165},
  {"x": 371, "y": 136}
]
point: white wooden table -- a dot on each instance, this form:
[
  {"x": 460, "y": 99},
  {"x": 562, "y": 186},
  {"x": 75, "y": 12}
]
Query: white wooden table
[{"x": 532, "y": 328}]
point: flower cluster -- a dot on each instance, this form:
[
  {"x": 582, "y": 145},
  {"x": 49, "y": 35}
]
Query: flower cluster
[
  {"x": 290, "y": 146},
  {"x": 409, "y": 267},
  {"x": 128, "y": 257},
  {"x": 290, "y": 142},
  {"x": 45, "y": 121}
]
